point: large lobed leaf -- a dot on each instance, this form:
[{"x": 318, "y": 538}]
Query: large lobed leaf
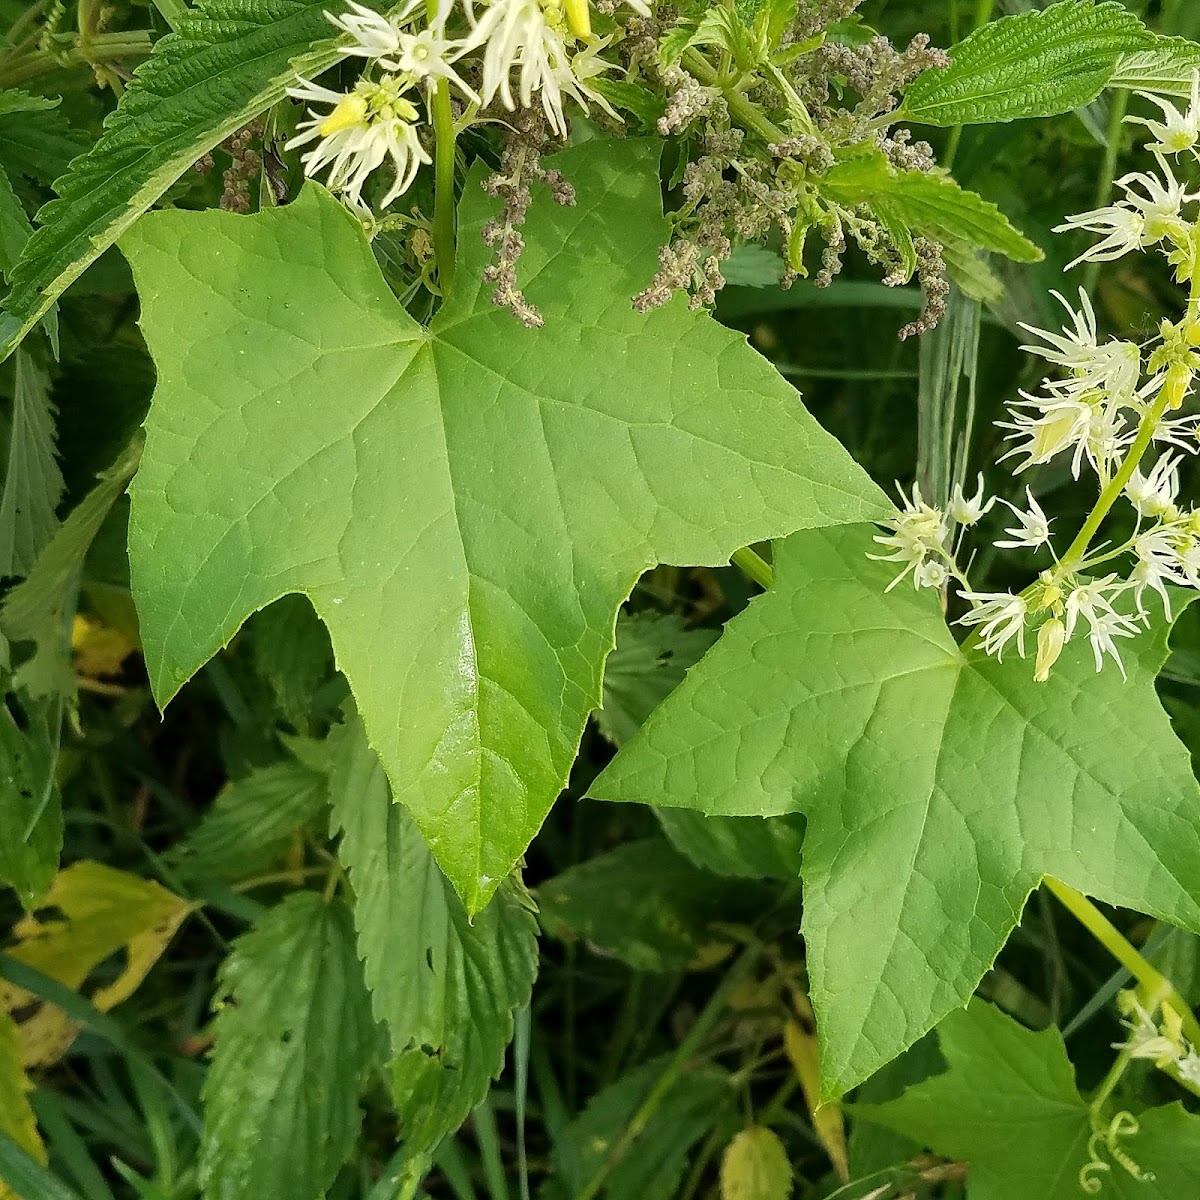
[
  {"x": 294, "y": 1044},
  {"x": 466, "y": 505},
  {"x": 1034, "y": 64},
  {"x": 228, "y": 61},
  {"x": 1009, "y": 1089},
  {"x": 445, "y": 987},
  {"x": 940, "y": 786}
]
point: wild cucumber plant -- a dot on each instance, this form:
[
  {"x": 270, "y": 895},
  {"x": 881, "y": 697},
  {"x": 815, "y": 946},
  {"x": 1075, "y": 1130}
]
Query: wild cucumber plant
[{"x": 425, "y": 575}]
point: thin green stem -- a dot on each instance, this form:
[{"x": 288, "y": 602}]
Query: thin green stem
[
  {"x": 705, "y": 1023},
  {"x": 1145, "y": 435},
  {"x": 1155, "y": 987},
  {"x": 741, "y": 110},
  {"x": 445, "y": 234},
  {"x": 70, "y": 51},
  {"x": 753, "y": 567}
]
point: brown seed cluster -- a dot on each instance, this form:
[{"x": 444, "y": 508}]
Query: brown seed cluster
[{"x": 245, "y": 165}]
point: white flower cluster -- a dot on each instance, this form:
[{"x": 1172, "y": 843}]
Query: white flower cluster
[
  {"x": 1105, "y": 406},
  {"x": 554, "y": 59},
  {"x": 1162, "y": 1042}
]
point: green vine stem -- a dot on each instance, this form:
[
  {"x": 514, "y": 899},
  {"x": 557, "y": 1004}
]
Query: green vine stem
[
  {"x": 740, "y": 109},
  {"x": 704, "y": 1025},
  {"x": 70, "y": 50},
  {"x": 444, "y": 217},
  {"x": 754, "y": 567}
]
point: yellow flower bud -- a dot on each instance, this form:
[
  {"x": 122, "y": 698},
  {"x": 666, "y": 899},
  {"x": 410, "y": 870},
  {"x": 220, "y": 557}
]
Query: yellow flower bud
[
  {"x": 350, "y": 111},
  {"x": 1052, "y": 637}
]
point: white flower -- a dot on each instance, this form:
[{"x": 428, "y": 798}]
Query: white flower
[
  {"x": 427, "y": 56},
  {"x": 516, "y": 34},
  {"x": 1145, "y": 1039},
  {"x": 1153, "y": 495},
  {"x": 971, "y": 511},
  {"x": 375, "y": 36},
  {"x": 1189, "y": 1066},
  {"x": 1177, "y": 131},
  {"x": 1149, "y": 574},
  {"x": 1091, "y": 602},
  {"x": 1000, "y": 617},
  {"x": 931, "y": 574},
  {"x": 1113, "y": 367},
  {"x": 1089, "y": 423},
  {"x": 1136, "y": 222},
  {"x": 1033, "y": 529},
  {"x": 918, "y": 530},
  {"x": 366, "y": 126}
]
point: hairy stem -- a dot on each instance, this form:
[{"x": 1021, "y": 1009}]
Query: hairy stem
[{"x": 741, "y": 110}]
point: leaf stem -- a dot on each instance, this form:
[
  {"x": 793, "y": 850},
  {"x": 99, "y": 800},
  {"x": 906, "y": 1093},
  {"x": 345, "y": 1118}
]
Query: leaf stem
[
  {"x": 1154, "y": 985},
  {"x": 704, "y": 1025},
  {"x": 71, "y": 51},
  {"x": 444, "y": 217},
  {"x": 753, "y": 567}
]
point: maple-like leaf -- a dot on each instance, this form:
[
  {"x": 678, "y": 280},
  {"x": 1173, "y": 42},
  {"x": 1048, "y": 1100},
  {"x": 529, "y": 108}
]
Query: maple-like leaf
[
  {"x": 1007, "y": 1088},
  {"x": 940, "y": 786},
  {"x": 466, "y": 505}
]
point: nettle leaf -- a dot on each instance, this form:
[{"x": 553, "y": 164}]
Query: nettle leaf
[
  {"x": 17, "y": 1119},
  {"x": 445, "y": 987},
  {"x": 467, "y": 505},
  {"x": 251, "y": 820},
  {"x": 1034, "y": 64},
  {"x": 33, "y": 484},
  {"x": 294, "y": 1045},
  {"x": 929, "y": 204},
  {"x": 940, "y": 786},
  {"x": 14, "y": 225},
  {"x": 228, "y": 61},
  {"x": 31, "y": 818},
  {"x": 651, "y": 657},
  {"x": 643, "y": 904},
  {"x": 1007, "y": 1087},
  {"x": 701, "y": 1099},
  {"x": 1168, "y": 68}
]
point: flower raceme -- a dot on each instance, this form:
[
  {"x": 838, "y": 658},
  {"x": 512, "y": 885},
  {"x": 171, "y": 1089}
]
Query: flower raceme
[
  {"x": 544, "y": 45},
  {"x": 1104, "y": 406}
]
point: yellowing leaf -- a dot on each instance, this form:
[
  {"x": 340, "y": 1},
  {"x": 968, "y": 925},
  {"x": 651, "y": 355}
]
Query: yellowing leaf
[
  {"x": 827, "y": 1120},
  {"x": 755, "y": 1167},
  {"x": 16, "y": 1115},
  {"x": 98, "y": 649},
  {"x": 91, "y": 912}
]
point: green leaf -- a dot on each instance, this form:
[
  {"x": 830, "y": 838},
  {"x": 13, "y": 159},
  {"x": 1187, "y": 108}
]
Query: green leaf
[
  {"x": 468, "y": 516},
  {"x": 26, "y": 1176},
  {"x": 653, "y": 1166},
  {"x": 33, "y": 484},
  {"x": 940, "y": 786},
  {"x": 652, "y": 655},
  {"x": 755, "y": 1167},
  {"x": 31, "y": 819},
  {"x": 39, "y": 609},
  {"x": 36, "y": 140},
  {"x": 16, "y": 1114},
  {"x": 228, "y": 61},
  {"x": 1008, "y": 1088},
  {"x": 250, "y": 821},
  {"x": 294, "y": 1044},
  {"x": 1167, "y": 68},
  {"x": 641, "y": 903},
  {"x": 1034, "y": 64},
  {"x": 14, "y": 225},
  {"x": 445, "y": 987},
  {"x": 743, "y": 847},
  {"x": 929, "y": 204},
  {"x": 290, "y": 650}
]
